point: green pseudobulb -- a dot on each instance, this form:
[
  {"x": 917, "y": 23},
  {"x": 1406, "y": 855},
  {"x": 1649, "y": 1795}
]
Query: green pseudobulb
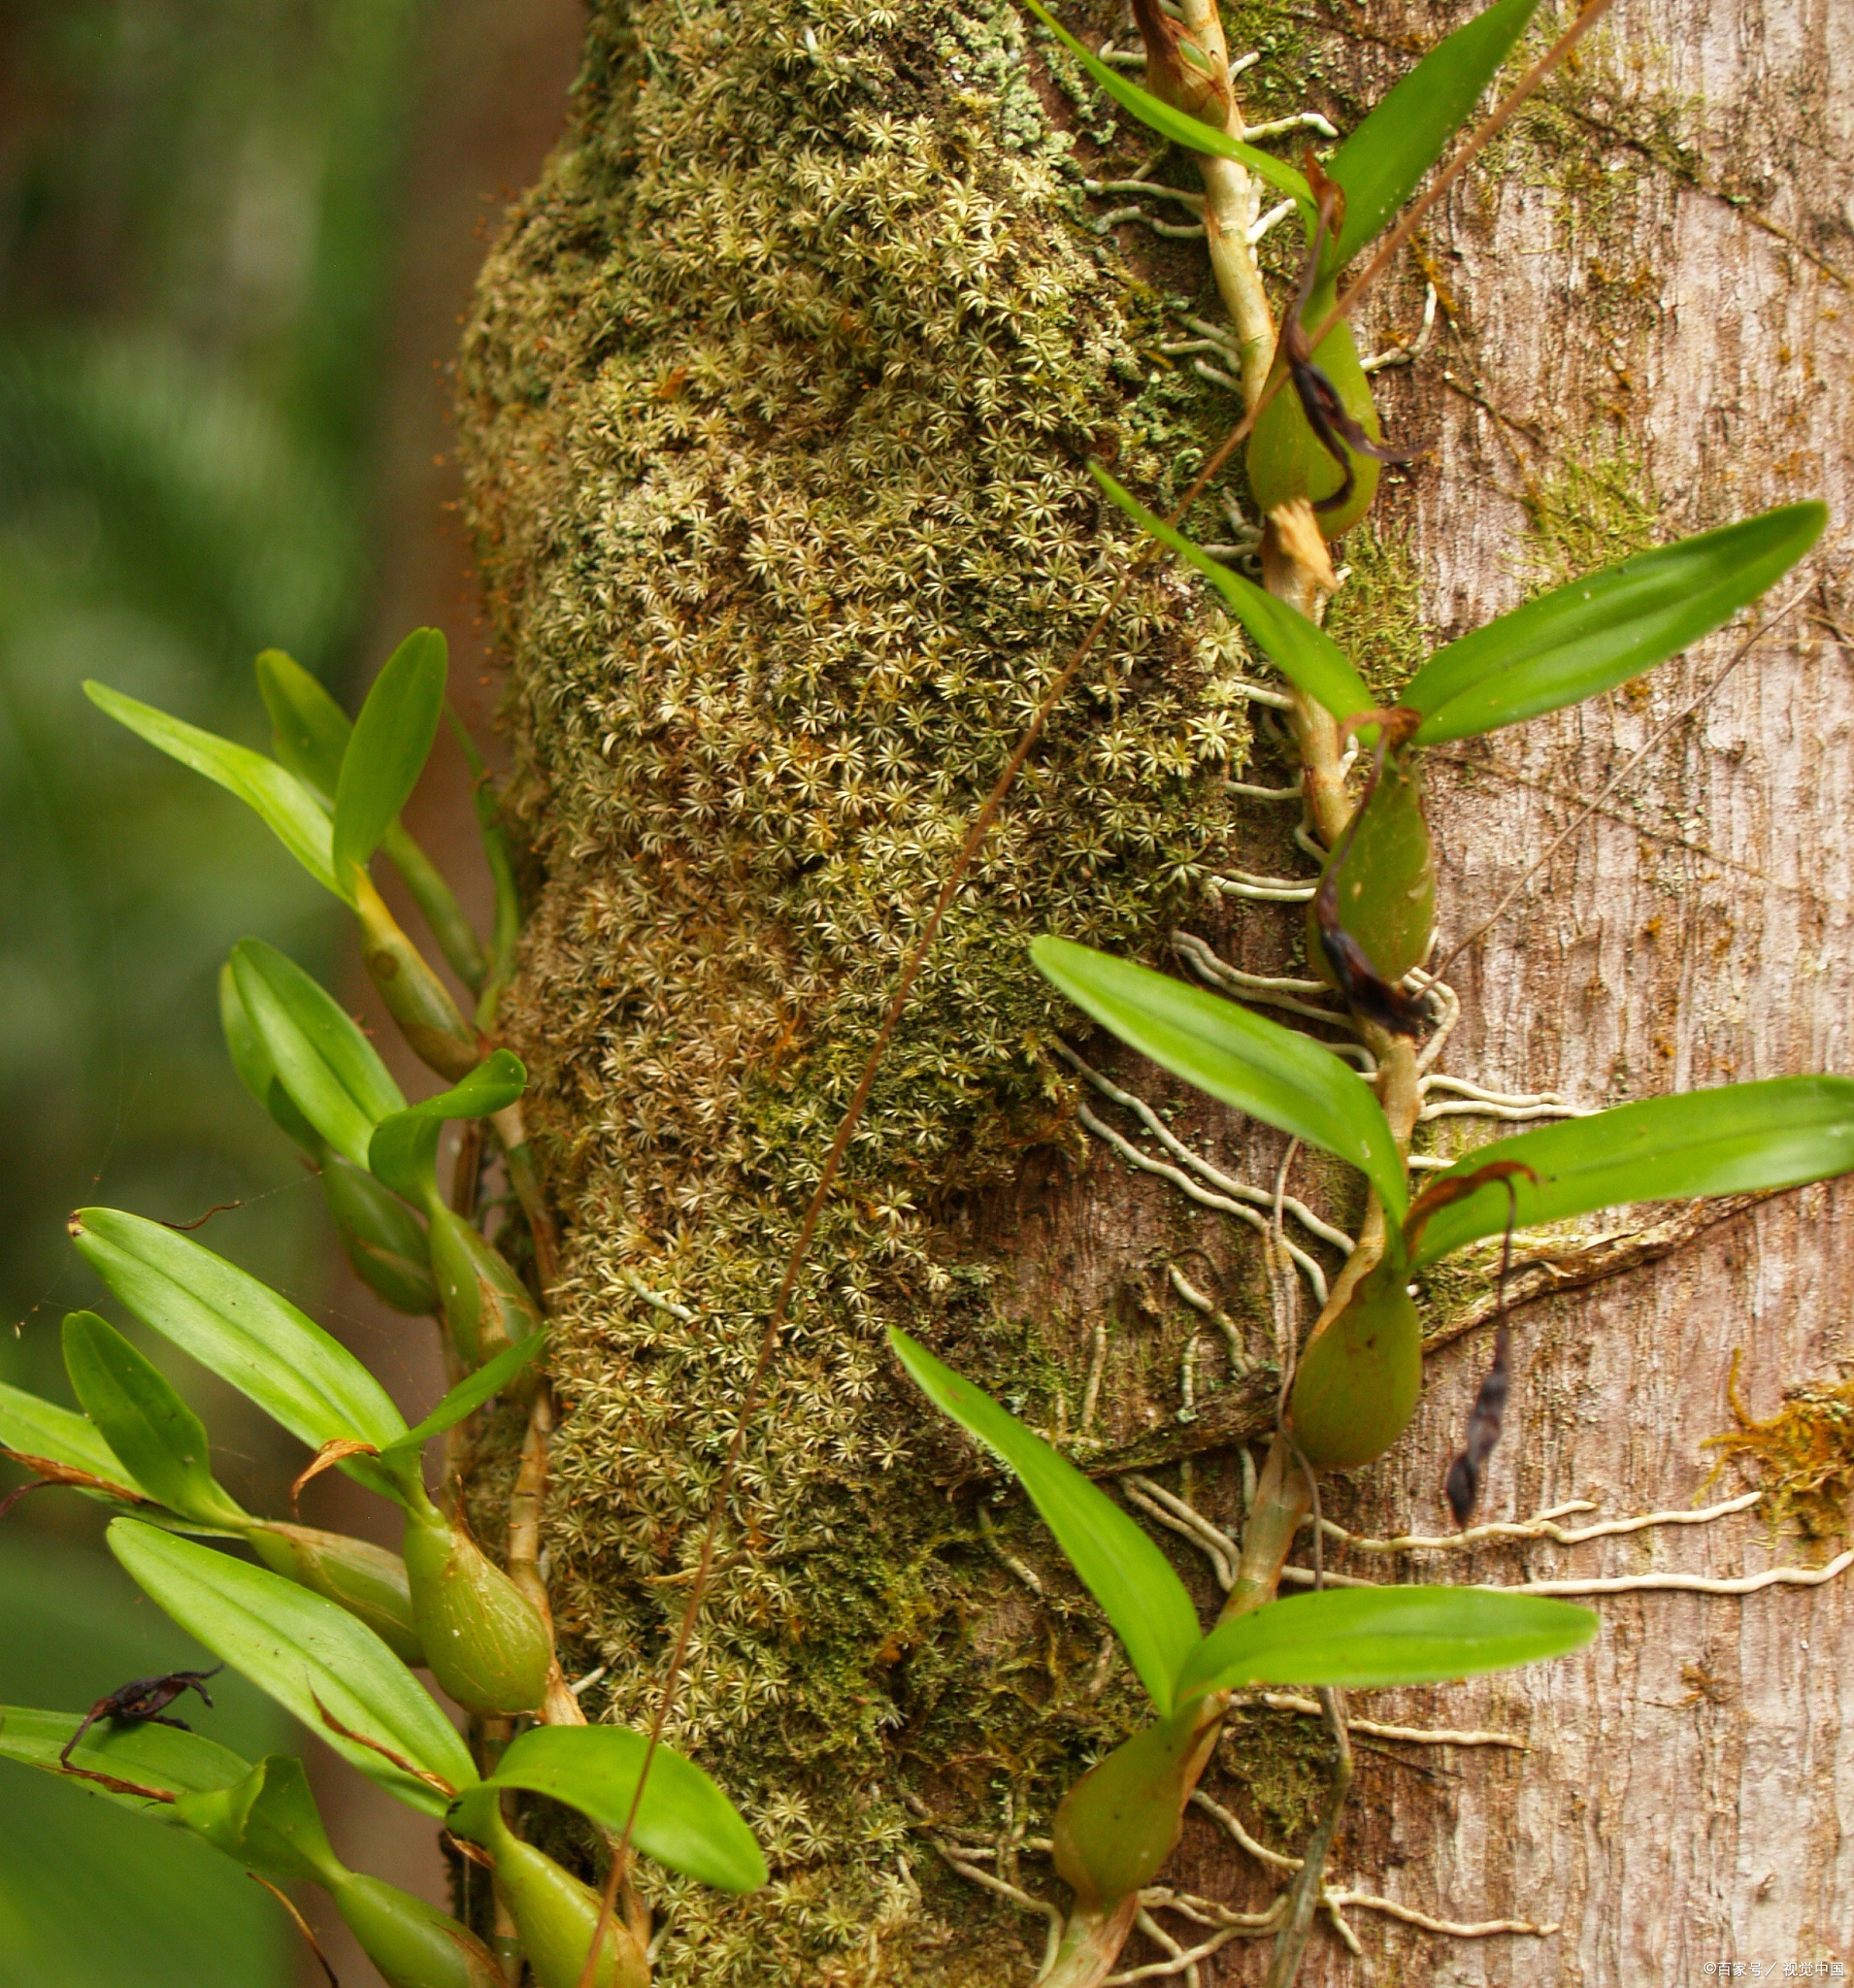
[
  {"x": 485, "y": 1305},
  {"x": 1119, "y": 1823},
  {"x": 365, "y": 1580},
  {"x": 484, "y": 1642},
  {"x": 556, "y": 1916},
  {"x": 413, "y": 1944},
  {"x": 1387, "y": 882},
  {"x": 1287, "y": 460},
  {"x": 1360, "y": 1375}
]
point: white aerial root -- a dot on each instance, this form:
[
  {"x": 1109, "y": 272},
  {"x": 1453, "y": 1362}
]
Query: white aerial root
[
  {"x": 1409, "y": 350},
  {"x": 1024, "y": 1572},
  {"x": 1017, "y": 1895},
  {"x": 1273, "y": 990},
  {"x": 656, "y": 1300},
  {"x": 1541, "y": 1525},
  {"x": 1105, "y": 224},
  {"x": 1256, "y": 1197},
  {"x": 1267, "y": 890},
  {"x": 1182, "y": 1181},
  {"x": 1545, "y": 1526},
  {"x": 1180, "y": 1517},
  {"x": 1333, "y": 1898},
  {"x": 1377, "y": 1728},
  {"x": 1199, "y": 1301},
  {"x": 1184, "y": 198},
  {"x": 1213, "y": 1187},
  {"x": 1458, "y": 1929},
  {"x": 1694, "y": 1583}
]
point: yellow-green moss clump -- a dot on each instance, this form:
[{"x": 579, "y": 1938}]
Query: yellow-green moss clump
[{"x": 776, "y": 400}]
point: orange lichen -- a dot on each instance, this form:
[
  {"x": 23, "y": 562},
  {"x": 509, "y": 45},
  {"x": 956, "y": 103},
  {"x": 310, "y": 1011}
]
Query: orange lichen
[{"x": 1801, "y": 1457}]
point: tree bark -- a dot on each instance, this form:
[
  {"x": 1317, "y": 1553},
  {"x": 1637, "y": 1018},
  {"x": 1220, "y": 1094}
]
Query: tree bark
[{"x": 776, "y": 400}]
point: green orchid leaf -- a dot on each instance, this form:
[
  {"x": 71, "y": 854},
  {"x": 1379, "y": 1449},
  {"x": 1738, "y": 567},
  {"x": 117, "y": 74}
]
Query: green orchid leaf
[
  {"x": 280, "y": 801},
  {"x": 1301, "y": 649},
  {"x": 329, "y": 1070},
  {"x": 1740, "y": 1138},
  {"x": 309, "y": 729},
  {"x": 1583, "y": 639},
  {"x": 405, "y": 1147},
  {"x": 309, "y": 734},
  {"x": 256, "y": 1070},
  {"x": 159, "y": 1438},
  {"x": 244, "y": 1331},
  {"x": 455, "y": 935},
  {"x": 470, "y": 1394},
  {"x": 1138, "y": 1593},
  {"x": 1274, "y": 1074},
  {"x": 149, "y": 1756},
  {"x": 268, "y": 1822},
  {"x": 382, "y": 1238},
  {"x": 1364, "y": 1637},
  {"x": 392, "y": 739},
  {"x": 684, "y": 1821},
  {"x": 1190, "y": 132},
  {"x": 1380, "y": 164},
  {"x": 40, "y": 1428},
  {"x": 300, "y": 1649}
]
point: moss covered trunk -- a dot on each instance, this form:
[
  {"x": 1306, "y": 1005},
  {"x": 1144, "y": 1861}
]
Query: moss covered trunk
[{"x": 776, "y": 402}]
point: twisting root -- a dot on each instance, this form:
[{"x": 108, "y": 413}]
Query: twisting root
[{"x": 1181, "y": 1181}]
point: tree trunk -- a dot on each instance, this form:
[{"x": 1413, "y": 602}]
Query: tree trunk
[{"x": 776, "y": 402}]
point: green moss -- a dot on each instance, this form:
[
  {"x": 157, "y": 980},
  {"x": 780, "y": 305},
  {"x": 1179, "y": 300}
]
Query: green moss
[
  {"x": 776, "y": 403},
  {"x": 1594, "y": 504},
  {"x": 1377, "y": 616}
]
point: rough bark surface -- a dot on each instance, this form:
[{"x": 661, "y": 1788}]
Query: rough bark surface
[{"x": 775, "y": 404}]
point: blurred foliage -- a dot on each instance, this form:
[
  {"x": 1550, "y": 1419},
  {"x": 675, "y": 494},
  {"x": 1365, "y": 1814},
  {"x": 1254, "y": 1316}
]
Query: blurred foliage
[
  {"x": 90, "y": 1895},
  {"x": 196, "y": 210}
]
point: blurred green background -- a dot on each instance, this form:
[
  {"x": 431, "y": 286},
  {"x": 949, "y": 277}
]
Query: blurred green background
[{"x": 219, "y": 223}]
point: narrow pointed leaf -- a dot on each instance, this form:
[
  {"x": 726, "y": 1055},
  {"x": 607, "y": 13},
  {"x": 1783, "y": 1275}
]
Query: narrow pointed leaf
[
  {"x": 309, "y": 729},
  {"x": 392, "y": 742},
  {"x": 243, "y": 1331},
  {"x": 159, "y": 1438},
  {"x": 309, "y": 734},
  {"x": 278, "y": 798},
  {"x": 1362, "y": 1637},
  {"x": 1274, "y": 1074},
  {"x": 1169, "y": 123},
  {"x": 470, "y": 1394},
  {"x": 1301, "y": 649},
  {"x": 256, "y": 1070},
  {"x": 1581, "y": 640},
  {"x": 151, "y": 1756},
  {"x": 40, "y": 1428},
  {"x": 1381, "y": 163},
  {"x": 298, "y": 1648},
  {"x": 405, "y": 1147},
  {"x": 1138, "y": 1593},
  {"x": 684, "y": 1821},
  {"x": 329, "y": 1070},
  {"x": 1740, "y": 1138}
]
